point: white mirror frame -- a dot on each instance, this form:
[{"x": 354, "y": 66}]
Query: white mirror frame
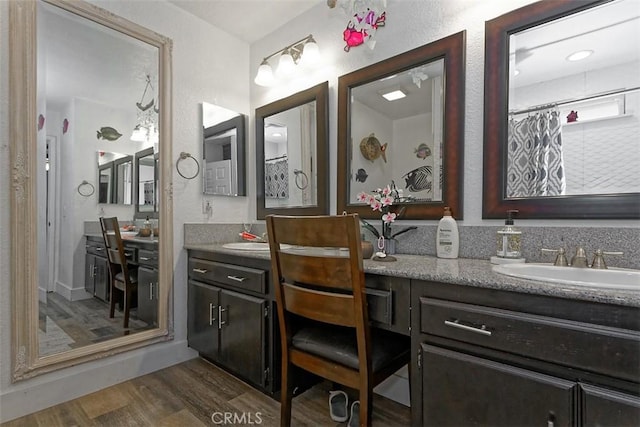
[{"x": 26, "y": 361}]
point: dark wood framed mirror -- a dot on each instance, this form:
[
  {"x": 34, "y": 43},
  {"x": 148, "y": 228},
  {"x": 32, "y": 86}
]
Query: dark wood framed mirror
[
  {"x": 416, "y": 141},
  {"x": 292, "y": 151},
  {"x": 532, "y": 83}
]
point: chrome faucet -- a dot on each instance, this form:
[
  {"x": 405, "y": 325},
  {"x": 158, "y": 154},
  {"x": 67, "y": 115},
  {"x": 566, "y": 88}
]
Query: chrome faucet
[
  {"x": 579, "y": 260},
  {"x": 598, "y": 259},
  {"x": 561, "y": 258}
]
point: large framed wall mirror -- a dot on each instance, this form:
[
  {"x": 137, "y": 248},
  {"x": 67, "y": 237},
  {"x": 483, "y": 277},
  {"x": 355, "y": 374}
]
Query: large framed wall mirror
[
  {"x": 64, "y": 88},
  {"x": 562, "y": 111},
  {"x": 223, "y": 148},
  {"x": 292, "y": 150},
  {"x": 401, "y": 121}
]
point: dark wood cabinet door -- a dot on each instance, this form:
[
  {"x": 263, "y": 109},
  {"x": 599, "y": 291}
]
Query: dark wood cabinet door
[
  {"x": 602, "y": 407},
  {"x": 89, "y": 273},
  {"x": 148, "y": 295},
  {"x": 464, "y": 390},
  {"x": 101, "y": 278},
  {"x": 202, "y": 318},
  {"x": 242, "y": 335}
]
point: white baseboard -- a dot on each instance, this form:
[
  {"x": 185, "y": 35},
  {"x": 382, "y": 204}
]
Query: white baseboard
[
  {"x": 41, "y": 392},
  {"x": 71, "y": 294}
]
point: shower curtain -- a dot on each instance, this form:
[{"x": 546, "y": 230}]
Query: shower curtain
[
  {"x": 535, "y": 166},
  {"x": 276, "y": 179}
]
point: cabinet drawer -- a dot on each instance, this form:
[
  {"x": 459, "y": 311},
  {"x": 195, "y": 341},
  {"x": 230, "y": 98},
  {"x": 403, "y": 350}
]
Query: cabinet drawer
[
  {"x": 380, "y": 305},
  {"x": 233, "y": 275},
  {"x": 605, "y": 350},
  {"x": 147, "y": 257},
  {"x": 96, "y": 248}
]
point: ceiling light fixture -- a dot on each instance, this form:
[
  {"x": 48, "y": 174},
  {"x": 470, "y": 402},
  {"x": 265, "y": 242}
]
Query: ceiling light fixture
[
  {"x": 581, "y": 54},
  {"x": 302, "y": 52},
  {"x": 146, "y": 129},
  {"x": 394, "y": 95}
]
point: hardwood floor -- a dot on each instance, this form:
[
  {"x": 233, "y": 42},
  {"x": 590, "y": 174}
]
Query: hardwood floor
[{"x": 189, "y": 394}]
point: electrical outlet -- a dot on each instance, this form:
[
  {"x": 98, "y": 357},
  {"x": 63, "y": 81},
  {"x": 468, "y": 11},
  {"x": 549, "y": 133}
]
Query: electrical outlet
[{"x": 206, "y": 206}]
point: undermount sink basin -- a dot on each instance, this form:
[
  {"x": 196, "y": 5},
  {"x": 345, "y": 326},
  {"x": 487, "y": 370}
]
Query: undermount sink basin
[
  {"x": 251, "y": 246},
  {"x": 613, "y": 278}
]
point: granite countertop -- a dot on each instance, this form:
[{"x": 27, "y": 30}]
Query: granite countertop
[
  {"x": 466, "y": 272},
  {"x": 127, "y": 238}
]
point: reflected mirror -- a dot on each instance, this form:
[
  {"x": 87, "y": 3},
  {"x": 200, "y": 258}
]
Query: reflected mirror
[
  {"x": 292, "y": 149},
  {"x": 146, "y": 183},
  {"x": 401, "y": 121},
  {"x": 223, "y": 151},
  {"x": 561, "y": 121},
  {"x": 66, "y": 92}
]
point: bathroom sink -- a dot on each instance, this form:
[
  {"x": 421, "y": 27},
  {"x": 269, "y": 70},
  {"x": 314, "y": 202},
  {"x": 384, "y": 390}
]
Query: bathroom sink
[
  {"x": 250, "y": 246},
  {"x": 612, "y": 278}
]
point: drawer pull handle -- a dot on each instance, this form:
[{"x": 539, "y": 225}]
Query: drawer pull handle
[
  {"x": 200, "y": 270},
  {"x": 237, "y": 279},
  {"x": 99, "y": 249},
  {"x": 144, "y": 258},
  {"x": 457, "y": 324},
  {"x": 127, "y": 254},
  {"x": 211, "y": 318},
  {"x": 220, "y": 321}
]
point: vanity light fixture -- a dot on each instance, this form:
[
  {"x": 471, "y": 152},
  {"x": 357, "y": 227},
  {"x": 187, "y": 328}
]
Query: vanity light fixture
[
  {"x": 302, "y": 52},
  {"x": 580, "y": 55},
  {"x": 393, "y": 94}
]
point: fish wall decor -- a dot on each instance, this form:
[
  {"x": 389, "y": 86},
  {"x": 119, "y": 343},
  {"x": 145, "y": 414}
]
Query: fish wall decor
[
  {"x": 419, "y": 179},
  {"x": 108, "y": 133},
  {"x": 423, "y": 151},
  {"x": 40, "y": 122},
  {"x": 361, "y": 175},
  {"x": 65, "y": 126},
  {"x": 371, "y": 148}
]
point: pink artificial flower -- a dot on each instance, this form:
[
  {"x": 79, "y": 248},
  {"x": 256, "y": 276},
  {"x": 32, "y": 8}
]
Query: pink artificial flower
[
  {"x": 362, "y": 197},
  {"x": 389, "y": 217},
  {"x": 386, "y": 201},
  {"x": 385, "y": 191},
  {"x": 376, "y": 205},
  {"x": 371, "y": 199}
]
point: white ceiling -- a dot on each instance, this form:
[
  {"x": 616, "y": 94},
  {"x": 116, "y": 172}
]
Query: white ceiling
[{"x": 249, "y": 20}]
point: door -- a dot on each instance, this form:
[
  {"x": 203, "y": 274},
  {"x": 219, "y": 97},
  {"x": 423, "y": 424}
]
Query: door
[
  {"x": 459, "y": 390},
  {"x": 148, "y": 295},
  {"x": 89, "y": 273},
  {"x": 242, "y": 335},
  {"x": 602, "y": 407},
  {"x": 202, "y": 318}
]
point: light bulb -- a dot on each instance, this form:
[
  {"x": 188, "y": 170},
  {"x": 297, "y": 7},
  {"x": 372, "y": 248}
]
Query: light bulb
[
  {"x": 139, "y": 134},
  {"x": 286, "y": 66},
  {"x": 311, "y": 52},
  {"x": 264, "y": 77}
]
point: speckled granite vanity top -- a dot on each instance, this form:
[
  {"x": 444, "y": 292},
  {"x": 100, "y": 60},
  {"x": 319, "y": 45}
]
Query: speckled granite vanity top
[{"x": 466, "y": 272}]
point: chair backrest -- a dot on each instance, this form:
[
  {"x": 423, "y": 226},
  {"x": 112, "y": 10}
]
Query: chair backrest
[
  {"x": 114, "y": 246},
  {"x": 322, "y": 276}
]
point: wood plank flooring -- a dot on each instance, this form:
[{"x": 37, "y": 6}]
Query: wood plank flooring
[{"x": 188, "y": 394}]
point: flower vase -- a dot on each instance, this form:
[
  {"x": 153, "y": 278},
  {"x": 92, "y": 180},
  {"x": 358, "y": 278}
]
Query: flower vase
[{"x": 389, "y": 246}]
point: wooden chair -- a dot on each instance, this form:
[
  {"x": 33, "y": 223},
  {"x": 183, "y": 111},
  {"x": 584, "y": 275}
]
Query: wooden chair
[
  {"x": 322, "y": 308},
  {"x": 124, "y": 281}
]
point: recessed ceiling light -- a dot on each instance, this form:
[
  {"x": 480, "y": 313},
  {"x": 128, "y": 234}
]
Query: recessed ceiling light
[
  {"x": 581, "y": 54},
  {"x": 394, "y": 95}
]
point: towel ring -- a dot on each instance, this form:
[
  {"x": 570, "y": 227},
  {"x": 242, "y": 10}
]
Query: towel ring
[
  {"x": 301, "y": 183},
  {"x": 184, "y": 156},
  {"x": 86, "y": 192}
]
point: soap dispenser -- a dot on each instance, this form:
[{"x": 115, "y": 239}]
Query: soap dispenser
[
  {"x": 447, "y": 236},
  {"x": 509, "y": 239}
]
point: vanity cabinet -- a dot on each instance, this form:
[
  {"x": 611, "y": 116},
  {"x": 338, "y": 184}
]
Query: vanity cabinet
[
  {"x": 148, "y": 286},
  {"x": 96, "y": 274},
  {"x": 488, "y": 357},
  {"x": 229, "y": 319}
]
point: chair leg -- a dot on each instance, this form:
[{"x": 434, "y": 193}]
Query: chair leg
[
  {"x": 366, "y": 406},
  {"x": 112, "y": 304},
  {"x": 127, "y": 307},
  {"x": 286, "y": 394}
]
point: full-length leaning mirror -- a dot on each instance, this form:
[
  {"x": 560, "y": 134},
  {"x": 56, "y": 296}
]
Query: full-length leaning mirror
[
  {"x": 292, "y": 150},
  {"x": 65, "y": 97},
  {"x": 402, "y": 121},
  {"x": 562, "y": 103}
]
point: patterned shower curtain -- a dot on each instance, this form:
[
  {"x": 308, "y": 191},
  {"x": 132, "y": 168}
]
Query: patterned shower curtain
[
  {"x": 276, "y": 179},
  {"x": 535, "y": 166}
]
